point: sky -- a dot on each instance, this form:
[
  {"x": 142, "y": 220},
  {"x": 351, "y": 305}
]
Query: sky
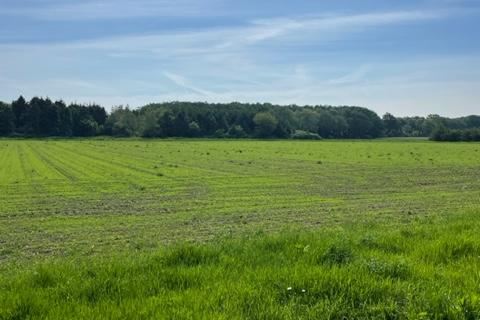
[{"x": 403, "y": 57}]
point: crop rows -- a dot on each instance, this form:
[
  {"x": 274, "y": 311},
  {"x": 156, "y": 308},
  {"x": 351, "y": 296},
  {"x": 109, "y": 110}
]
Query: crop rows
[{"x": 88, "y": 196}]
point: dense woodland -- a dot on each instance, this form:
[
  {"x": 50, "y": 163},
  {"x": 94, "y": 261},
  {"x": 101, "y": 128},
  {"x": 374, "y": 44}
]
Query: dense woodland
[{"x": 41, "y": 117}]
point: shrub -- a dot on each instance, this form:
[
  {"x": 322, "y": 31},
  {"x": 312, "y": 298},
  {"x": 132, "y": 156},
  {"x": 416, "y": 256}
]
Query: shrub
[{"x": 305, "y": 135}]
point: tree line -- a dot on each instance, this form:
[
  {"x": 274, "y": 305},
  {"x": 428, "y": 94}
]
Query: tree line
[
  {"x": 41, "y": 117},
  {"x": 445, "y": 134},
  {"x": 436, "y": 127}
]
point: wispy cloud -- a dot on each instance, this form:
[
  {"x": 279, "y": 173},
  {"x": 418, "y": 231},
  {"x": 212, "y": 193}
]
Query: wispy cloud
[
  {"x": 352, "y": 77},
  {"x": 226, "y": 39},
  {"x": 274, "y": 28},
  {"x": 182, "y": 82},
  {"x": 109, "y": 9}
]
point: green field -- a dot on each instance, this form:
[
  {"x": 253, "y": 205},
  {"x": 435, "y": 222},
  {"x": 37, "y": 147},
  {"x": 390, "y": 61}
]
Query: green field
[{"x": 222, "y": 229}]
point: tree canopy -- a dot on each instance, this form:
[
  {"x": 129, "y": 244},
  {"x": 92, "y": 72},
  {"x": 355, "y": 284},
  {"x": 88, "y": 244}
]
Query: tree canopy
[{"x": 43, "y": 117}]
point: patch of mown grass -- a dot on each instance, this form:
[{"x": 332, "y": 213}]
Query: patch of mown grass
[
  {"x": 345, "y": 274},
  {"x": 98, "y": 197}
]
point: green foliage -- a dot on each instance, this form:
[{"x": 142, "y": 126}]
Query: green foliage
[
  {"x": 122, "y": 122},
  {"x": 149, "y": 125},
  {"x": 391, "y": 125},
  {"x": 265, "y": 124},
  {"x": 331, "y": 125},
  {"x": 7, "y": 119},
  {"x": 194, "y": 129},
  {"x": 433, "y": 126},
  {"x": 362, "y": 123},
  {"x": 42, "y": 117},
  {"x": 309, "y": 120},
  {"x": 444, "y": 134},
  {"x": 237, "y": 131}
]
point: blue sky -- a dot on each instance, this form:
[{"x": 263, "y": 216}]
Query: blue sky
[{"x": 404, "y": 57}]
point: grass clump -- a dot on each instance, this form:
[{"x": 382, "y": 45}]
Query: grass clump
[
  {"x": 336, "y": 254},
  {"x": 190, "y": 256}
]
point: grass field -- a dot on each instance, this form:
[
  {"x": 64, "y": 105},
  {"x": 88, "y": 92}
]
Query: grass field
[{"x": 275, "y": 229}]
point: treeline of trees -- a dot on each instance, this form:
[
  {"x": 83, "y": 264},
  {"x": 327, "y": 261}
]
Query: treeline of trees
[
  {"x": 445, "y": 134},
  {"x": 426, "y": 126},
  {"x": 238, "y": 120},
  {"x": 43, "y": 117}
]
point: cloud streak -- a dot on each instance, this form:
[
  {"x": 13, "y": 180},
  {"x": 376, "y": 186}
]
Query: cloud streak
[
  {"x": 109, "y": 9},
  {"x": 352, "y": 77},
  {"x": 182, "y": 82},
  {"x": 230, "y": 39},
  {"x": 274, "y": 28}
]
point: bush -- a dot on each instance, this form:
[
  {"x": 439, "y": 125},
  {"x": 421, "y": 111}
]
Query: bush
[
  {"x": 305, "y": 135},
  {"x": 220, "y": 133},
  {"x": 236, "y": 131}
]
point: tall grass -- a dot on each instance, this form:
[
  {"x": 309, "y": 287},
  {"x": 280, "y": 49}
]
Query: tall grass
[{"x": 422, "y": 270}]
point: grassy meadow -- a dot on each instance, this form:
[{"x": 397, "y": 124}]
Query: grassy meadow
[{"x": 239, "y": 229}]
